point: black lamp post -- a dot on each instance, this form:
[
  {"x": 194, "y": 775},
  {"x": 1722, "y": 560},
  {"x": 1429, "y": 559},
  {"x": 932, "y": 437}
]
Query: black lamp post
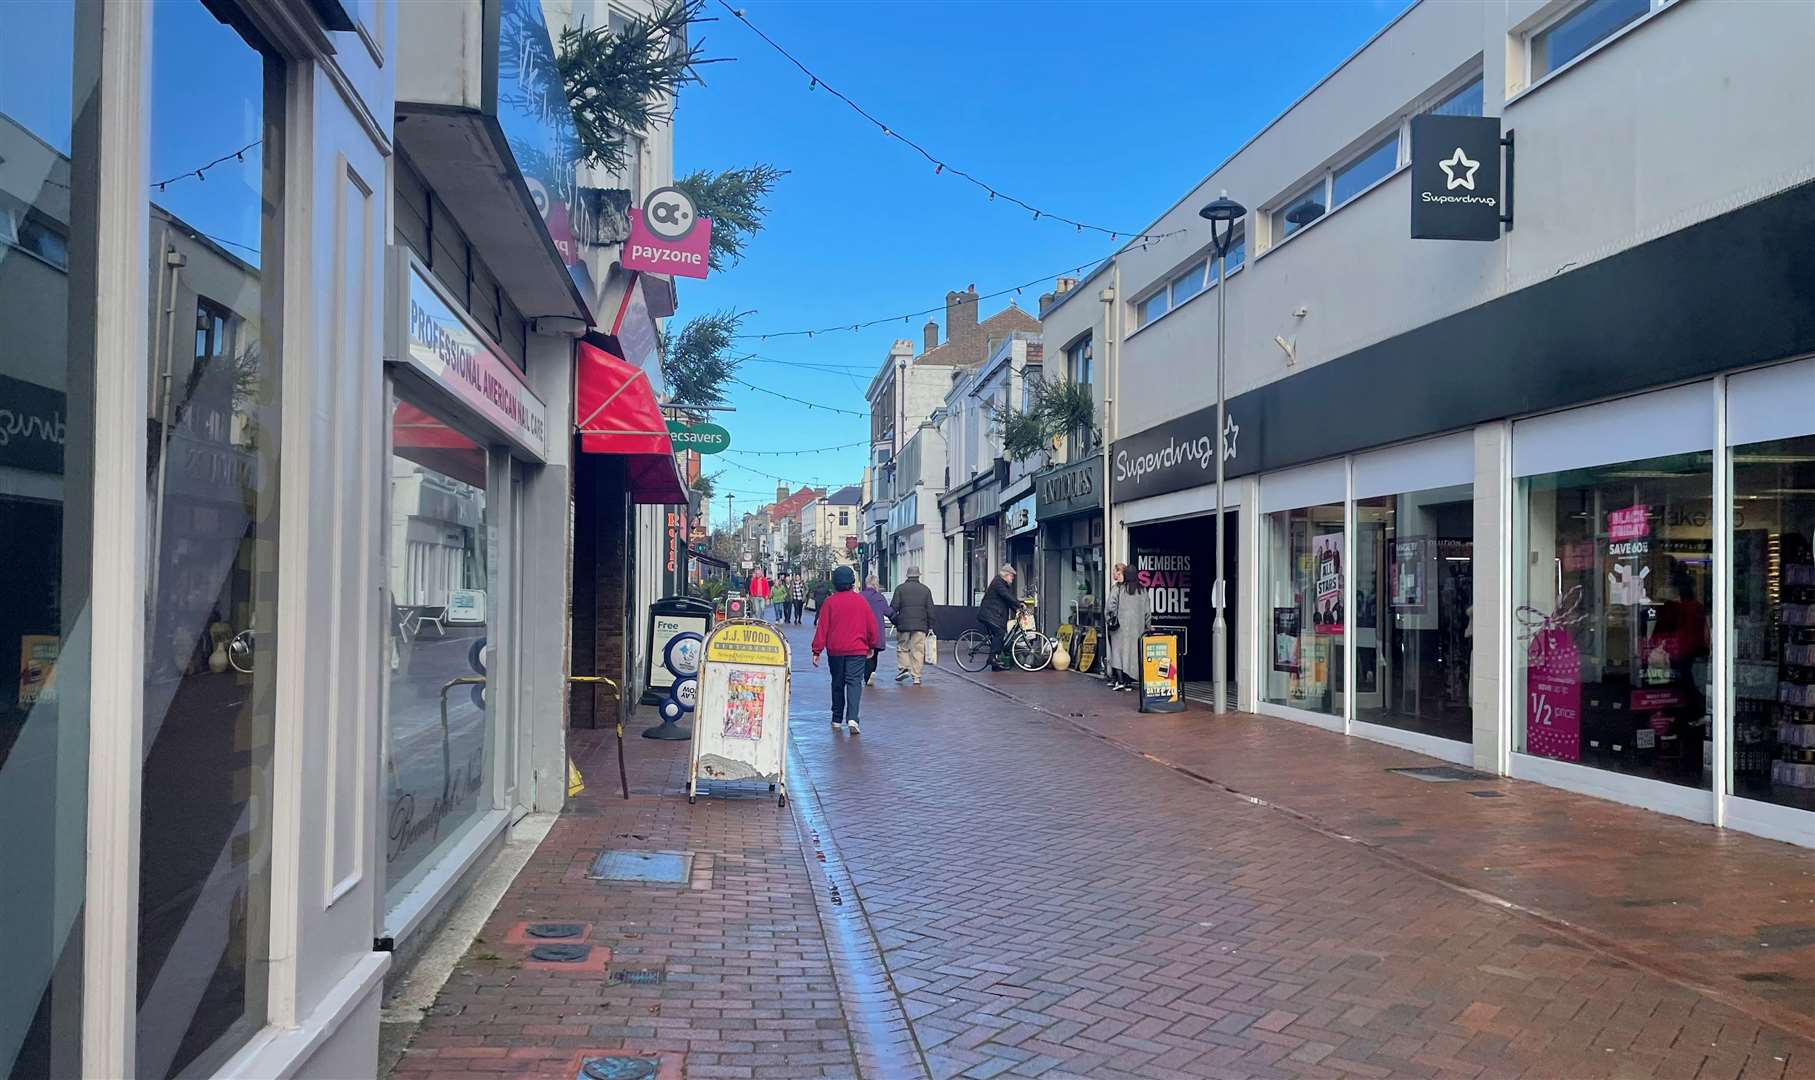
[{"x": 1222, "y": 214}]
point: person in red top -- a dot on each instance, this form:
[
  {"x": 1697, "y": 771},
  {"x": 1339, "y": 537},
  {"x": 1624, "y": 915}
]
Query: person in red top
[{"x": 846, "y": 630}]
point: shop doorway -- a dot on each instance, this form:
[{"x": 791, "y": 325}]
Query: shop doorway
[{"x": 1177, "y": 561}]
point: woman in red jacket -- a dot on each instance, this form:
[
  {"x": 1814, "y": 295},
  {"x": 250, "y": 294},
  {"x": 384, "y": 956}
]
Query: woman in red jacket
[{"x": 847, "y": 630}]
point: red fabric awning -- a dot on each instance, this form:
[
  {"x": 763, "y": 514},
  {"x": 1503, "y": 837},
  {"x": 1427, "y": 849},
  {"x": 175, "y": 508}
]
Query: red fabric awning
[{"x": 615, "y": 412}]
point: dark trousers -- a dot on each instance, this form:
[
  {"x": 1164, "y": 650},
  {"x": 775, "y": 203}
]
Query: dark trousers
[
  {"x": 798, "y": 606},
  {"x": 997, "y": 634},
  {"x": 847, "y": 685}
]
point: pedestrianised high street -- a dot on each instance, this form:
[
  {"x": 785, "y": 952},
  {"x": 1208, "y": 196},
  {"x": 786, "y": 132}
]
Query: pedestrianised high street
[{"x": 625, "y": 539}]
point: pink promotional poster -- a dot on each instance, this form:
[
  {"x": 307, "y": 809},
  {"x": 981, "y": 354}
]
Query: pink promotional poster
[{"x": 1553, "y": 697}]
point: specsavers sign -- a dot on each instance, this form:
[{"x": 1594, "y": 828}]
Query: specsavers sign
[{"x": 437, "y": 342}]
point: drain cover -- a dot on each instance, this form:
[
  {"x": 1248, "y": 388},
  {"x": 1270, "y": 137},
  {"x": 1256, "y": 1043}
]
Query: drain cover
[
  {"x": 650, "y": 867},
  {"x": 1488, "y": 794},
  {"x": 1766, "y": 977},
  {"x": 637, "y": 976},
  {"x": 560, "y": 954},
  {"x": 619, "y": 1068},
  {"x": 555, "y": 929},
  {"x": 1441, "y": 774}
]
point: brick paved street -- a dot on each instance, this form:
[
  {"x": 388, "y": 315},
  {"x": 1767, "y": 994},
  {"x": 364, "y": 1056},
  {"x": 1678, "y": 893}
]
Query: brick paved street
[{"x": 1072, "y": 890}]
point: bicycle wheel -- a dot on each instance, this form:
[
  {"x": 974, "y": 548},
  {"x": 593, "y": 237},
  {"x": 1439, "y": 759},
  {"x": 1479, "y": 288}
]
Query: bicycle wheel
[
  {"x": 1031, "y": 651},
  {"x": 973, "y": 650}
]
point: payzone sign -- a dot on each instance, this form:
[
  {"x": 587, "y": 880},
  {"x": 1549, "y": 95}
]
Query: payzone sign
[{"x": 668, "y": 236}]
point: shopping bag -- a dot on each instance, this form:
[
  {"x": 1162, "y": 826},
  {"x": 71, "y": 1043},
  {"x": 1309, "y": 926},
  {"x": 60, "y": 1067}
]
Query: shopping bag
[{"x": 932, "y": 649}]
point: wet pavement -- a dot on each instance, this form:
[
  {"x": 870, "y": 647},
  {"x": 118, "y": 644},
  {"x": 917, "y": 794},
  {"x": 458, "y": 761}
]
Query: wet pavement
[{"x": 1017, "y": 875}]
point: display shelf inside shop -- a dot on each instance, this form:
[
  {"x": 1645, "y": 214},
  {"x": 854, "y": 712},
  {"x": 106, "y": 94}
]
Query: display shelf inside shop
[{"x": 1792, "y": 747}]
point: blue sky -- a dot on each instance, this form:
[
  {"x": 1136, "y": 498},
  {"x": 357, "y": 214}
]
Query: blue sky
[{"x": 1102, "y": 113}]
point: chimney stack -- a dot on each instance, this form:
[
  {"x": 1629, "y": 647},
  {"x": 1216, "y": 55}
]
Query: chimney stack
[
  {"x": 781, "y": 493},
  {"x": 930, "y": 337},
  {"x": 960, "y": 313}
]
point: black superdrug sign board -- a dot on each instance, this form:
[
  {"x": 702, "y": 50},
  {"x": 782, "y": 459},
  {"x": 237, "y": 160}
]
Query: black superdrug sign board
[{"x": 1456, "y": 178}]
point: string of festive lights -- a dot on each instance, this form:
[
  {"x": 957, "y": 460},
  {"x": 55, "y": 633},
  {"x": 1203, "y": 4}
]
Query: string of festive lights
[
  {"x": 762, "y": 335},
  {"x": 939, "y": 164},
  {"x": 237, "y": 155},
  {"x": 779, "y": 479},
  {"x": 798, "y": 453},
  {"x": 834, "y": 369},
  {"x": 795, "y": 400}
]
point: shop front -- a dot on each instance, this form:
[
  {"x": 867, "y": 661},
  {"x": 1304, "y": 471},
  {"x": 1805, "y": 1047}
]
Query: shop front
[
  {"x": 1068, "y": 503},
  {"x": 466, "y": 432}
]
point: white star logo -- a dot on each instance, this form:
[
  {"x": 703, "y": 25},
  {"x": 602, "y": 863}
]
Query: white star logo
[
  {"x": 1230, "y": 432},
  {"x": 1459, "y": 160}
]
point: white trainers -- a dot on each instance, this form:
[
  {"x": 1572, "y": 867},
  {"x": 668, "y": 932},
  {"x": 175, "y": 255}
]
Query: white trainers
[
  {"x": 838, "y": 725},
  {"x": 852, "y": 727}
]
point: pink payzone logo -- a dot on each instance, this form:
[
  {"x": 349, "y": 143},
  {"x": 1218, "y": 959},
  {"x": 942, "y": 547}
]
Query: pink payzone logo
[{"x": 668, "y": 236}]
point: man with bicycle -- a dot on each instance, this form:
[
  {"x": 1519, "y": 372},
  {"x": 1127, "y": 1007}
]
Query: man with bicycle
[{"x": 999, "y": 605}]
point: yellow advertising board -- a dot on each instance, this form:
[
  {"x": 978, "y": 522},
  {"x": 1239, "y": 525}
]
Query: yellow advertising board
[
  {"x": 746, "y": 643},
  {"x": 1160, "y": 690}
]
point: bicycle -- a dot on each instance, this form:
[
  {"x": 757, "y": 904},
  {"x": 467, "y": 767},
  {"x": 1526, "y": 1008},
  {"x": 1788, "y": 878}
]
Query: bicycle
[{"x": 1024, "y": 646}]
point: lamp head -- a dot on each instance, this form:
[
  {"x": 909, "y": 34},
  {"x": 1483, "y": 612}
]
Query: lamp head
[{"x": 1223, "y": 209}]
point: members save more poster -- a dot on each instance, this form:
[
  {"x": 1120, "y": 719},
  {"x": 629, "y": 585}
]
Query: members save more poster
[{"x": 1326, "y": 570}]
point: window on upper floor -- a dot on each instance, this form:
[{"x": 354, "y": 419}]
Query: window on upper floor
[
  {"x": 1184, "y": 285},
  {"x": 1365, "y": 171},
  {"x": 1466, "y": 101},
  {"x": 1078, "y": 360},
  {"x": 844, "y": 517},
  {"x": 1578, "y": 29},
  {"x": 1301, "y": 209}
]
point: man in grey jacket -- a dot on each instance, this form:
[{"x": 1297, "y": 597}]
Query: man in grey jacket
[{"x": 911, "y": 610}]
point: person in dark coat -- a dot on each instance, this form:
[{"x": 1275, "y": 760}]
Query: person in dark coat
[
  {"x": 911, "y": 610},
  {"x": 879, "y": 604},
  {"x": 999, "y": 605},
  {"x": 819, "y": 593}
]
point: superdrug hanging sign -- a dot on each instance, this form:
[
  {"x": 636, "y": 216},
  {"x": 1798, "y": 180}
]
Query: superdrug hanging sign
[{"x": 1456, "y": 191}]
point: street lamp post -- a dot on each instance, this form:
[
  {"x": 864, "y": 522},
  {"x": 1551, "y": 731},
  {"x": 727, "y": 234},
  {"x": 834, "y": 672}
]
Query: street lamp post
[{"x": 1225, "y": 212}]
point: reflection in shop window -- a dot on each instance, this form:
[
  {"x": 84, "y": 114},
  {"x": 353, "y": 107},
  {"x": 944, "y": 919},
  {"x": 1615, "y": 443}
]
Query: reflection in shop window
[
  {"x": 47, "y": 283},
  {"x": 213, "y": 558},
  {"x": 1304, "y": 576},
  {"x": 438, "y": 763},
  {"x": 1414, "y": 602},
  {"x": 1773, "y": 732},
  {"x": 1611, "y": 619}
]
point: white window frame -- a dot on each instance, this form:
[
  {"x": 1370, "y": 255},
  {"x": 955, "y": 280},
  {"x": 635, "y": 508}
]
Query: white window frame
[{"x": 1525, "y": 35}]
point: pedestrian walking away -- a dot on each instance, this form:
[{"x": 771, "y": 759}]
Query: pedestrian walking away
[
  {"x": 820, "y": 592},
  {"x": 846, "y": 630},
  {"x": 999, "y": 605},
  {"x": 879, "y": 606},
  {"x": 911, "y": 610},
  {"x": 1130, "y": 608}
]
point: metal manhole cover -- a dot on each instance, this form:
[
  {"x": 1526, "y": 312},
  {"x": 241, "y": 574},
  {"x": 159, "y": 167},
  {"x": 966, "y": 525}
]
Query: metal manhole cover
[
  {"x": 637, "y": 976},
  {"x": 556, "y": 929},
  {"x": 1441, "y": 774},
  {"x": 650, "y": 867},
  {"x": 561, "y": 954},
  {"x": 619, "y": 1068},
  {"x": 1488, "y": 794}
]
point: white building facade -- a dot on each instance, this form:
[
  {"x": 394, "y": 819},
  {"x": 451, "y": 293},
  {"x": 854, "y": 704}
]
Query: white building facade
[{"x": 1534, "y": 505}]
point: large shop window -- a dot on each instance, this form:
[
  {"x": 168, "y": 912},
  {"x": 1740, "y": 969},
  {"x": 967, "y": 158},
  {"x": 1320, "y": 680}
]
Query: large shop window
[
  {"x": 1414, "y": 594},
  {"x": 213, "y": 557},
  {"x": 439, "y": 760},
  {"x": 47, "y": 281},
  {"x": 1304, "y": 573},
  {"x": 1612, "y": 642}
]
